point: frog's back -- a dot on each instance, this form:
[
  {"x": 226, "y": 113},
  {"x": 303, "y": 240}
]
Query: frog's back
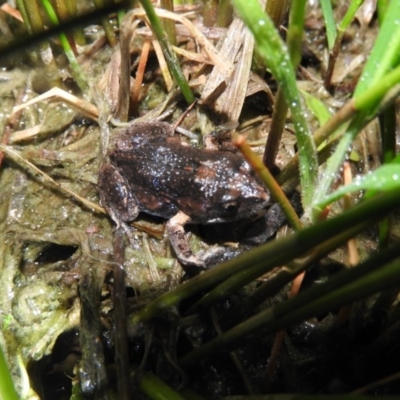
[{"x": 167, "y": 177}]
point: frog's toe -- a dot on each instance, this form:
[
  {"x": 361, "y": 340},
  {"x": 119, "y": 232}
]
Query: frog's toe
[
  {"x": 191, "y": 261},
  {"x": 194, "y": 263},
  {"x": 217, "y": 255}
]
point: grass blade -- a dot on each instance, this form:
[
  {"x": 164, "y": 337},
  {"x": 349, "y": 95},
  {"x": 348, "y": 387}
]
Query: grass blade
[
  {"x": 7, "y": 390},
  {"x": 344, "y": 288},
  {"x": 272, "y": 254},
  {"x": 169, "y": 54},
  {"x": 384, "y": 56},
  {"x": 77, "y": 71},
  {"x": 330, "y": 24},
  {"x": 383, "y": 179},
  {"x": 348, "y": 17},
  {"x": 275, "y": 53}
]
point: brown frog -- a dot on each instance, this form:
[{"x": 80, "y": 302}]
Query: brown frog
[{"x": 151, "y": 171}]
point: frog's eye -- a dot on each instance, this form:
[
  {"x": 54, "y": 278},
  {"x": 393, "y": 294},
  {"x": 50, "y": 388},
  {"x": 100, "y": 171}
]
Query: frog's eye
[{"x": 230, "y": 208}]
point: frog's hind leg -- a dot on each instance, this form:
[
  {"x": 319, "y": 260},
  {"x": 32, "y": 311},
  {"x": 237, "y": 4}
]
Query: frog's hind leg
[{"x": 117, "y": 198}]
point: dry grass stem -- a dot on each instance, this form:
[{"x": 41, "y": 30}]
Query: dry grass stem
[
  {"x": 230, "y": 50},
  {"x": 87, "y": 52},
  {"x": 56, "y": 94},
  {"x": 154, "y": 274},
  {"x": 230, "y": 103},
  {"x": 169, "y": 83},
  {"x": 135, "y": 92},
  {"x": 191, "y": 56},
  {"x": 25, "y": 134},
  {"x": 340, "y": 74},
  {"x": 221, "y": 63},
  {"x": 183, "y": 33},
  {"x": 256, "y": 84},
  {"x": 12, "y": 11},
  {"x": 16, "y": 156},
  {"x": 122, "y": 108},
  {"x": 354, "y": 257}
]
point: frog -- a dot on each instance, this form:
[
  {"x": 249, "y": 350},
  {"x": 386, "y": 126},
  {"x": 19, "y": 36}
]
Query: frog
[{"x": 150, "y": 170}]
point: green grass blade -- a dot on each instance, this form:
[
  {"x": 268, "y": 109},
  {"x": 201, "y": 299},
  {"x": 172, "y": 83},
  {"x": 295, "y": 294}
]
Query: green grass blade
[
  {"x": 330, "y": 24},
  {"x": 335, "y": 162},
  {"x": 382, "y": 7},
  {"x": 271, "y": 254},
  {"x": 345, "y": 287},
  {"x": 7, "y": 390},
  {"x": 169, "y": 55},
  {"x": 275, "y": 53},
  {"x": 21, "y": 42},
  {"x": 317, "y": 107},
  {"x": 294, "y": 39},
  {"x": 24, "y": 13},
  {"x": 296, "y": 30},
  {"x": 350, "y": 13},
  {"x": 77, "y": 71},
  {"x": 335, "y": 49},
  {"x": 387, "y": 125},
  {"x": 107, "y": 26},
  {"x": 156, "y": 389},
  {"x": 367, "y": 100},
  {"x": 385, "y": 178},
  {"x": 384, "y": 56},
  {"x": 386, "y": 52}
]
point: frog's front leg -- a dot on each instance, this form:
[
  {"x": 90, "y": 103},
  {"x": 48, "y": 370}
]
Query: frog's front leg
[
  {"x": 179, "y": 241},
  {"x": 116, "y": 197}
]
